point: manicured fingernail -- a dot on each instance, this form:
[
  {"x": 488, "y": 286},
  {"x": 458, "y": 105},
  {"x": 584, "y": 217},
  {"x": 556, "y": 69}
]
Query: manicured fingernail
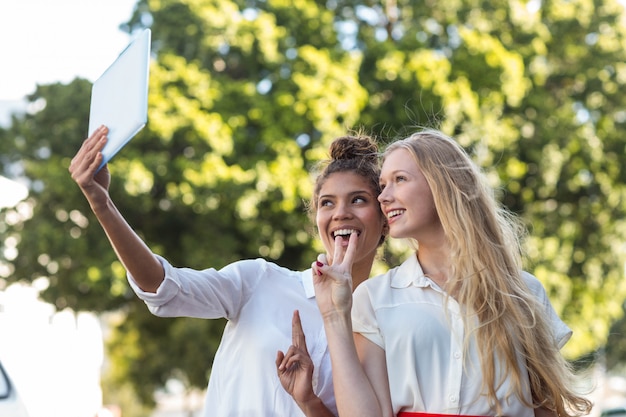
[{"x": 318, "y": 263}]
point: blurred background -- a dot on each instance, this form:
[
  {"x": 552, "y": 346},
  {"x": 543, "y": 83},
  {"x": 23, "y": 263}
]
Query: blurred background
[{"x": 245, "y": 97}]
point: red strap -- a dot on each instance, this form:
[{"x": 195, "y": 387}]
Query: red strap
[{"x": 412, "y": 414}]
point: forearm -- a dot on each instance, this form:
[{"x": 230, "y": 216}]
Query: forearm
[
  {"x": 134, "y": 254},
  {"x": 130, "y": 249},
  {"x": 354, "y": 393},
  {"x": 315, "y": 408}
]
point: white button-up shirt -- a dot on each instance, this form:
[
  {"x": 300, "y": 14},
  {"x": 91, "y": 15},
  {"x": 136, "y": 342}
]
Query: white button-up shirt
[
  {"x": 258, "y": 298},
  {"x": 407, "y": 315}
]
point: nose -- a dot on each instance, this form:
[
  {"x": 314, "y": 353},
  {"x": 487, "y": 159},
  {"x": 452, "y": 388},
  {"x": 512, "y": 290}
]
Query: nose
[
  {"x": 384, "y": 196},
  {"x": 342, "y": 211}
]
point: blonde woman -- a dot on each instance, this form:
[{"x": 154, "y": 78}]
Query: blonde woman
[{"x": 459, "y": 328}]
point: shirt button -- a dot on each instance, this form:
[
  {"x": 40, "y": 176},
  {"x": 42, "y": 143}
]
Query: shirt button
[
  {"x": 457, "y": 354},
  {"x": 453, "y": 398}
]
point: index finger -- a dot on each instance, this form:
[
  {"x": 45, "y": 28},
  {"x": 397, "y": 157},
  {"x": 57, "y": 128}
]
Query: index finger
[
  {"x": 351, "y": 252},
  {"x": 348, "y": 257},
  {"x": 298, "y": 338}
]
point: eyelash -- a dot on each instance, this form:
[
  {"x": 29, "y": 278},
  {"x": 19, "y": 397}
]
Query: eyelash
[
  {"x": 396, "y": 179},
  {"x": 324, "y": 203}
]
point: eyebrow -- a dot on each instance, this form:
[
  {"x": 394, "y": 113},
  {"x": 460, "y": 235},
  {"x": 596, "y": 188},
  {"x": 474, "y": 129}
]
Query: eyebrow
[
  {"x": 389, "y": 174},
  {"x": 396, "y": 171},
  {"x": 349, "y": 195}
]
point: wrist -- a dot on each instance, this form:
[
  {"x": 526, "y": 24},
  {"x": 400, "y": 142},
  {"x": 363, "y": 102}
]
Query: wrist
[
  {"x": 103, "y": 208},
  {"x": 339, "y": 319}
]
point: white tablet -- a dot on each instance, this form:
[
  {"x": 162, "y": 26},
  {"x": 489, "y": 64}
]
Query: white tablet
[{"x": 119, "y": 98}]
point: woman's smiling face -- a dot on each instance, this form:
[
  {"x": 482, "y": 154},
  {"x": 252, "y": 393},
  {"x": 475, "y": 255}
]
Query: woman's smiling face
[
  {"x": 347, "y": 203},
  {"x": 406, "y": 198}
]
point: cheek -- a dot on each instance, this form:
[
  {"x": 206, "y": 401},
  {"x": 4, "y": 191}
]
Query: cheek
[
  {"x": 430, "y": 212},
  {"x": 321, "y": 221},
  {"x": 375, "y": 222}
]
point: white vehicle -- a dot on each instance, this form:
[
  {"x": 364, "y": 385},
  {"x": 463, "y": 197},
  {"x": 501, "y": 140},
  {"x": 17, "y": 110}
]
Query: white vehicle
[
  {"x": 10, "y": 403},
  {"x": 614, "y": 412}
]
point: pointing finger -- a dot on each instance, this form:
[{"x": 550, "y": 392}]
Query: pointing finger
[{"x": 298, "y": 339}]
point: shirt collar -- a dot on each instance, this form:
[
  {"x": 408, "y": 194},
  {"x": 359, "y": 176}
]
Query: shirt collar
[
  {"x": 307, "y": 283},
  {"x": 410, "y": 273}
]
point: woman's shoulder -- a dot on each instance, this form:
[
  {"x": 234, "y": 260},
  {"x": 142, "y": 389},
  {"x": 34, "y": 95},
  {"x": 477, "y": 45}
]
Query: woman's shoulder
[
  {"x": 407, "y": 269},
  {"x": 380, "y": 281},
  {"x": 261, "y": 265},
  {"x": 534, "y": 285},
  {"x": 377, "y": 281}
]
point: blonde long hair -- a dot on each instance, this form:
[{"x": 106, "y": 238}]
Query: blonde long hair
[{"x": 486, "y": 278}]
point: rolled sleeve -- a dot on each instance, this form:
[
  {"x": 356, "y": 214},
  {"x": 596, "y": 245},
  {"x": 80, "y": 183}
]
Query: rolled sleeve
[
  {"x": 164, "y": 293},
  {"x": 207, "y": 293}
]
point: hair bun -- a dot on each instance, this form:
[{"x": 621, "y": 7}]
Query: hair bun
[{"x": 354, "y": 147}]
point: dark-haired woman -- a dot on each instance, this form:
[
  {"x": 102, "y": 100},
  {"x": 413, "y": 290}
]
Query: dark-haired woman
[{"x": 257, "y": 297}]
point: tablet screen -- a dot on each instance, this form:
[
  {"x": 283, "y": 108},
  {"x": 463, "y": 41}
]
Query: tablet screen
[{"x": 119, "y": 98}]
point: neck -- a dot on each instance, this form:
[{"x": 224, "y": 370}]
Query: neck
[
  {"x": 435, "y": 263},
  {"x": 361, "y": 271}
]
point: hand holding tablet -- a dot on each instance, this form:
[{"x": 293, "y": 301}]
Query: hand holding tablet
[{"x": 119, "y": 98}]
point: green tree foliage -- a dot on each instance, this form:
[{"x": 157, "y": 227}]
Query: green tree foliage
[
  {"x": 245, "y": 97},
  {"x": 535, "y": 90}
]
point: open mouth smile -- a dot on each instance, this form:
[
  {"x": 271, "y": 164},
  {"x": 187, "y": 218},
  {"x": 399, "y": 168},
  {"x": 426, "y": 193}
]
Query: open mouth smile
[
  {"x": 344, "y": 233},
  {"x": 394, "y": 213}
]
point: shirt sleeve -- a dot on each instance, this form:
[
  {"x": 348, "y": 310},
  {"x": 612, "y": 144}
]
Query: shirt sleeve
[
  {"x": 207, "y": 293},
  {"x": 562, "y": 333},
  {"x": 364, "y": 319}
]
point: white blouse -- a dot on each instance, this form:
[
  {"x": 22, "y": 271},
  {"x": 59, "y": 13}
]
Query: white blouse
[
  {"x": 258, "y": 298},
  {"x": 407, "y": 315}
]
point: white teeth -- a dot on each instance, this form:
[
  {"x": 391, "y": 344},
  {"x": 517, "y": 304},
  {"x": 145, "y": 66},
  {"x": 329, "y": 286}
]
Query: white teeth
[
  {"x": 394, "y": 213},
  {"x": 344, "y": 232}
]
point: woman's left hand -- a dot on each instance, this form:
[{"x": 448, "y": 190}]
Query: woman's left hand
[
  {"x": 333, "y": 283},
  {"x": 295, "y": 368}
]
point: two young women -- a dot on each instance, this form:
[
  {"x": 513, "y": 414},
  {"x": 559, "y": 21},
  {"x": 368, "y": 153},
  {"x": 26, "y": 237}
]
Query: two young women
[
  {"x": 256, "y": 297},
  {"x": 459, "y": 329}
]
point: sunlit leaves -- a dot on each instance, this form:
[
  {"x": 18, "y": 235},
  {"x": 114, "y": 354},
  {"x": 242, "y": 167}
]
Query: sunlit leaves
[
  {"x": 329, "y": 85},
  {"x": 245, "y": 97},
  {"x": 510, "y": 65}
]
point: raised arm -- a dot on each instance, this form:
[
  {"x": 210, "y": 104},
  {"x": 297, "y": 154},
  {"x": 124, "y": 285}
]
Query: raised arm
[
  {"x": 355, "y": 392},
  {"x": 134, "y": 254}
]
